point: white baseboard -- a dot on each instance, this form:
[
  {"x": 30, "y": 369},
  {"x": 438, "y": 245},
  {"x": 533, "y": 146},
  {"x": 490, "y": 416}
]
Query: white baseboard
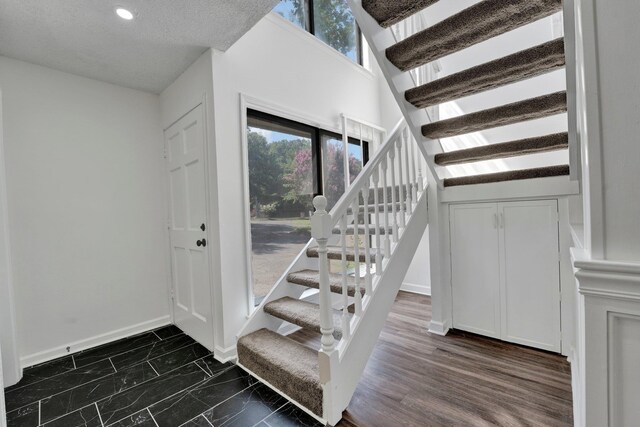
[
  {"x": 416, "y": 289},
  {"x": 224, "y": 355},
  {"x": 439, "y": 328},
  {"x": 74, "y": 347}
]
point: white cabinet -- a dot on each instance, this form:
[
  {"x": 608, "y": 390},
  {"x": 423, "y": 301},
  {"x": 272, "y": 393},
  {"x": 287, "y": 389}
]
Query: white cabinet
[{"x": 505, "y": 271}]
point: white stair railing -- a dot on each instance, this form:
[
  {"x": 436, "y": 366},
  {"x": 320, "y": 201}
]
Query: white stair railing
[{"x": 398, "y": 162}]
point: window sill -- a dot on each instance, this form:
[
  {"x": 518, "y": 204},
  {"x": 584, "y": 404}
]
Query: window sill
[{"x": 285, "y": 24}]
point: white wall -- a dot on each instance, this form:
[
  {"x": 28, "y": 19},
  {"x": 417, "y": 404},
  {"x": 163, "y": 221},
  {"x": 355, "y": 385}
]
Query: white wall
[
  {"x": 84, "y": 176},
  {"x": 285, "y": 66},
  {"x": 195, "y": 86},
  {"x": 619, "y": 89},
  {"x": 9, "y": 362}
]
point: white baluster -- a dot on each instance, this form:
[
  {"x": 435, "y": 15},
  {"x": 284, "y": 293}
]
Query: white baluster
[
  {"x": 321, "y": 231},
  {"x": 346, "y": 325},
  {"x": 399, "y": 144},
  {"x": 367, "y": 241},
  {"x": 387, "y": 241},
  {"x": 414, "y": 179},
  {"x": 356, "y": 253},
  {"x": 376, "y": 202},
  {"x": 407, "y": 144},
  {"x": 394, "y": 217}
]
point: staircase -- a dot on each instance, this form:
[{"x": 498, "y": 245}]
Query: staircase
[
  {"x": 343, "y": 284},
  {"x": 353, "y": 267},
  {"x": 398, "y": 56}
]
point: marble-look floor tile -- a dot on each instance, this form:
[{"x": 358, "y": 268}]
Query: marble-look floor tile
[
  {"x": 158, "y": 348},
  {"x": 114, "y": 348},
  {"x": 85, "y": 417},
  {"x": 167, "y": 331},
  {"x": 246, "y": 408},
  {"x": 189, "y": 403},
  {"x": 79, "y": 397},
  {"x": 139, "y": 419},
  {"x": 24, "y": 417},
  {"x": 23, "y": 396},
  {"x": 171, "y": 361},
  {"x": 290, "y": 416},
  {"x": 212, "y": 366},
  {"x": 200, "y": 421},
  {"x": 43, "y": 371},
  {"x": 129, "y": 402}
]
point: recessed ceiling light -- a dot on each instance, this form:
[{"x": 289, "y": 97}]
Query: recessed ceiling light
[{"x": 124, "y": 13}]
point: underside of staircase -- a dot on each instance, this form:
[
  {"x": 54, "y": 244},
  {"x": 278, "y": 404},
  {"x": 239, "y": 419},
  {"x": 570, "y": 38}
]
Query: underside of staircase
[
  {"x": 480, "y": 22},
  {"x": 379, "y": 227}
]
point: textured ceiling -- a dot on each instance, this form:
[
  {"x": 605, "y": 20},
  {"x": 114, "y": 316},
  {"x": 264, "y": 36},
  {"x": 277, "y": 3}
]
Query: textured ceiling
[{"x": 85, "y": 37}]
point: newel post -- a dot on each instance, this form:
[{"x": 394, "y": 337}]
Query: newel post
[{"x": 321, "y": 231}]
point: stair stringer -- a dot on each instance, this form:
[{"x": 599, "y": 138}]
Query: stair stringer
[
  {"x": 345, "y": 366},
  {"x": 379, "y": 40}
]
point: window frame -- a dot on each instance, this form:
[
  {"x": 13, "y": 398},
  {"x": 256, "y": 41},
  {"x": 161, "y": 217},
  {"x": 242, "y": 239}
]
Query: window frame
[
  {"x": 316, "y": 143},
  {"x": 310, "y": 27}
]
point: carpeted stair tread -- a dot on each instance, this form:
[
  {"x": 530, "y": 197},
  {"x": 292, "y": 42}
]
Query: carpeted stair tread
[
  {"x": 388, "y": 12},
  {"x": 311, "y": 279},
  {"x": 373, "y": 207},
  {"x": 541, "y": 144},
  {"x": 514, "y": 175},
  {"x": 360, "y": 230},
  {"x": 287, "y": 365},
  {"x": 529, "y": 109},
  {"x": 303, "y": 314},
  {"x": 509, "y": 69},
  {"x": 335, "y": 253},
  {"x": 480, "y": 22}
]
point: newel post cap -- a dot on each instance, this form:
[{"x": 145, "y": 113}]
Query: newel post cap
[{"x": 321, "y": 220}]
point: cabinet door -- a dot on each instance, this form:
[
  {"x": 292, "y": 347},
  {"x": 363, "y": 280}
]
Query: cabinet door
[
  {"x": 530, "y": 273},
  {"x": 475, "y": 268}
]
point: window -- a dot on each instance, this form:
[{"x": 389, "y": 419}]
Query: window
[
  {"x": 329, "y": 20},
  {"x": 289, "y": 163}
]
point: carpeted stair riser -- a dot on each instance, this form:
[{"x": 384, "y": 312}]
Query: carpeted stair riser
[
  {"x": 542, "y": 144},
  {"x": 311, "y": 279},
  {"x": 545, "y": 172},
  {"x": 509, "y": 69},
  {"x": 335, "y": 253},
  {"x": 290, "y": 367},
  {"x": 530, "y": 109},
  {"x": 388, "y": 12},
  {"x": 302, "y": 313},
  {"x": 478, "y": 23}
]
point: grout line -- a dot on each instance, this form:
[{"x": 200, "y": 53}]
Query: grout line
[
  {"x": 207, "y": 420},
  {"x": 73, "y": 359},
  {"x": 114, "y": 366},
  {"x": 152, "y": 417},
  {"x": 263, "y": 420},
  {"x": 198, "y": 365},
  {"x": 39, "y": 412},
  {"x": 154, "y": 333},
  {"x": 154, "y": 369},
  {"x": 99, "y": 416}
]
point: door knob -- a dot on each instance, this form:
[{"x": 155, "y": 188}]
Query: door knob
[
  {"x": 202, "y": 243},
  {"x": 202, "y": 227}
]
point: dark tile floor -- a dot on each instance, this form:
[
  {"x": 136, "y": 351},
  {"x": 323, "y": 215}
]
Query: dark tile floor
[{"x": 158, "y": 378}]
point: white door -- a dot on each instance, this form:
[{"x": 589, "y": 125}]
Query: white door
[
  {"x": 530, "y": 272},
  {"x": 192, "y": 304},
  {"x": 474, "y": 268}
]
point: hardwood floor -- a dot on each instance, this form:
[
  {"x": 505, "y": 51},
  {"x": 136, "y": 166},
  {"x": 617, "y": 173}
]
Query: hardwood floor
[{"x": 418, "y": 379}]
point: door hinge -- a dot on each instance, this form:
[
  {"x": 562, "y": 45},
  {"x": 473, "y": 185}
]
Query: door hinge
[
  {"x": 172, "y": 294},
  {"x": 164, "y": 153}
]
